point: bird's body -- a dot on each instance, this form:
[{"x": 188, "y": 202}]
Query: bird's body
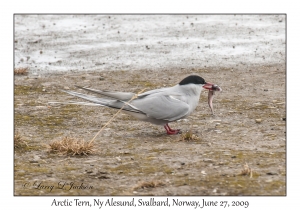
[{"x": 159, "y": 106}]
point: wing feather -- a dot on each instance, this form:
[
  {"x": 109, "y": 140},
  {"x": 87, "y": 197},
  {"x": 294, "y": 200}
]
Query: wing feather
[{"x": 160, "y": 106}]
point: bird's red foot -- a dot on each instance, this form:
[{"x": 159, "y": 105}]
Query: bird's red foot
[{"x": 170, "y": 131}]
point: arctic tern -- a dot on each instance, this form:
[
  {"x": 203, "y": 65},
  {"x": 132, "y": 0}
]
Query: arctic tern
[{"x": 159, "y": 106}]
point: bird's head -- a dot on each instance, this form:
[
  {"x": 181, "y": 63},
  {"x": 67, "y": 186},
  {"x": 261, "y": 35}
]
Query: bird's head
[{"x": 195, "y": 79}]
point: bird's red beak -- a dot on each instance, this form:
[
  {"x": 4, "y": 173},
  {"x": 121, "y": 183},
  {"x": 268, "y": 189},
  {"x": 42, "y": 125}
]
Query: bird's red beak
[{"x": 211, "y": 86}]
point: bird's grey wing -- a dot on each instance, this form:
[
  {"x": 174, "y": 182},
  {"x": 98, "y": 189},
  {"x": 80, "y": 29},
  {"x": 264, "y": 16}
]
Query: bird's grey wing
[
  {"x": 162, "y": 106},
  {"x": 124, "y": 96},
  {"x": 150, "y": 92}
]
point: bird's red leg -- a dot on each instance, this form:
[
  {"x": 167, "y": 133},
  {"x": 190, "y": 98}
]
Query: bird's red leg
[{"x": 170, "y": 131}]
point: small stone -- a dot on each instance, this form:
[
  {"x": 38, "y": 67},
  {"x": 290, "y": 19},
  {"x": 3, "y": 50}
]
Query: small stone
[
  {"x": 234, "y": 156},
  {"x": 103, "y": 177},
  {"x": 207, "y": 160},
  {"x": 218, "y": 131},
  {"x": 258, "y": 120},
  {"x": 182, "y": 163},
  {"x": 33, "y": 161},
  {"x": 102, "y": 172},
  {"x": 272, "y": 173},
  {"x": 89, "y": 171},
  {"x": 203, "y": 172}
]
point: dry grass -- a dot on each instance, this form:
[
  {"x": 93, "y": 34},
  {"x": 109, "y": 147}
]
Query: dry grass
[
  {"x": 150, "y": 184},
  {"x": 188, "y": 136},
  {"x": 72, "y": 146},
  {"x": 20, "y": 71},
  {"x": 19, "y": 141},
  {"x": 247, "y": 171}
]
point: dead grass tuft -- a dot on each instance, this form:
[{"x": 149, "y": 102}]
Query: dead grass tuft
[
  {"x": 72, "y": 146},
  {"x": 188, "y": 136},
  {"x": 247, "y": 171},
  {"x": 150, "y": 184},
  {"x": 21, "y": 71},
  {"x": 19, "y": 141}
]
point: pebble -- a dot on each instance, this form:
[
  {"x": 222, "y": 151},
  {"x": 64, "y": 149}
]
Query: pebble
[
  {"x": 218, "y": 131},
  {"x": 203, "y": 172},
  {"x": 102, "y": 172},
  {"x": 103, "y": 177},
  {"x": 272, "y": 173},
  {"x": 212, "y": 121},
  {"x": 207, "y": 160},
  {"x": 258, "y": 120}
]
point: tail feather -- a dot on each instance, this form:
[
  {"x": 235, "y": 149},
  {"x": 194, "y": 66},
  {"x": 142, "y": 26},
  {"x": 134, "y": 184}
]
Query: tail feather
[
  {"x": 74, "y": 103},
  {"x": 124, "y": 96},
  {"x": 117, "y": 104}
]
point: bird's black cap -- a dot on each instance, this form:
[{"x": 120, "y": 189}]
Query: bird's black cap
[{"x": 193, "y": 79}]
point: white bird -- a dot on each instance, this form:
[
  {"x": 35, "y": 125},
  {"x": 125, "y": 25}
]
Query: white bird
[{"x": 159, "y": 106}]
